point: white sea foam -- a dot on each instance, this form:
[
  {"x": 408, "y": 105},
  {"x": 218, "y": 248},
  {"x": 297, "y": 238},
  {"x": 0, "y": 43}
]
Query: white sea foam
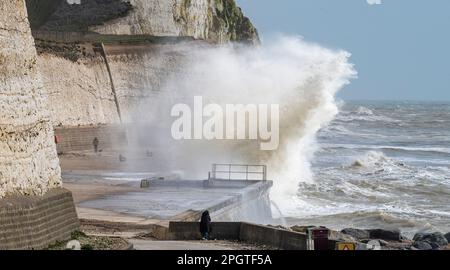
[
  {"x": 301, "y": 77},
  {"x": 351, "y": 117},
  {"x": 373, "y": 174},
  {"x": 442, "y": 150},
  {"x": 364, "y": 111}
]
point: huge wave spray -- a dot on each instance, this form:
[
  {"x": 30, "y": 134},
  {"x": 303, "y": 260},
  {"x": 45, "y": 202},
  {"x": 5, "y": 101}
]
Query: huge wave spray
[{"x": 302, "y": 78}]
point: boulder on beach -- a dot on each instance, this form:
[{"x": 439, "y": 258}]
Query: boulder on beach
[
  {"x": 341, "y": 237},
  {"x": 356, "y": 233},
  {"x": 422, "y": 245},
  {"x": 435, "y": 239},
  {"x": 447, "y": 236},
  {"x": 392, "y": 235},
  {"x": 380, "y": 234}
]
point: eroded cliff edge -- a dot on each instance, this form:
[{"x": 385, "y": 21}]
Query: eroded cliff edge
[
  {"x": 213, "y": 20},
  {"x": 75, "y": 73},
  {"x": 28, "y": 160}
]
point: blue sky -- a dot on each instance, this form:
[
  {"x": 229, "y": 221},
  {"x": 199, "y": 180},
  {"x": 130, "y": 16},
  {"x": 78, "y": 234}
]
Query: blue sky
[{"x": 401, "y": 48}]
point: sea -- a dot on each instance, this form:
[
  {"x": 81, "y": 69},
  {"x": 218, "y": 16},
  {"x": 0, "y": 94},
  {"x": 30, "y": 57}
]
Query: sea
[{"x": 381, "y": 165}]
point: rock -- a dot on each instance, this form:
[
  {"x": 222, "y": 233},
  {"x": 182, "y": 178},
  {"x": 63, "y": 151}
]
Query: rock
[
  {"x": 301, "y": 229},
  {"x": 341, "y": 237},
  {"x": 356, "y": 233},
  {"x": 393, "y": 235},
  {"x": 422, "y": 245},
  {"x": 370, "y": 245},
  {"x": 434, "y": 245},
  {"x": 447, "y": 236},
  {"x": 373, "y": 245},
  {"x": 383, "y": 242},
  {"x": 435, "y": 239},
  {"x": 395, "y": 245}
]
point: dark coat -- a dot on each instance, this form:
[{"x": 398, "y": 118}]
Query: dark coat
[{"x": 205, "y": 223}]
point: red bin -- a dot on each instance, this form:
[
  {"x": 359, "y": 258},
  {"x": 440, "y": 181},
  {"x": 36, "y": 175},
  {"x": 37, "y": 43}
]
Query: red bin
[{"x": 320, "y": 238}]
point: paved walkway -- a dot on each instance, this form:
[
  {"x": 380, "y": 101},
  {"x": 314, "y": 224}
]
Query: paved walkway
[{"x": 175, "y": 245}]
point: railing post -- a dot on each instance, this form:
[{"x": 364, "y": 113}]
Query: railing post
[{"x": 111, "y": 79}]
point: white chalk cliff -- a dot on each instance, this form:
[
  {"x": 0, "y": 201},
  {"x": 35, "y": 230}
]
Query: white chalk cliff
[
  {"x": 216, "y": 20},
  {"x": 28, "y": 160},
  {"x": 213, "y": 20}
]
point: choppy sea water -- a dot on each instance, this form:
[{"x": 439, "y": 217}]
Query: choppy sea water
[{"x": 381, "y": 165}]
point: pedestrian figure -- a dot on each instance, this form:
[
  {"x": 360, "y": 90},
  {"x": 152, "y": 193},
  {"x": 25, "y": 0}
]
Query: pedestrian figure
[
  {"x": 205, "y": 225},
  {"x": 95, "y": 143}
]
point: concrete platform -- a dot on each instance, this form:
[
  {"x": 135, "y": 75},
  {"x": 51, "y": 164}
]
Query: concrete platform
[
  {"x": 162, "y": 202},
  {"x": 177, "y": 200},
  {"x": 117, "y": 197}
]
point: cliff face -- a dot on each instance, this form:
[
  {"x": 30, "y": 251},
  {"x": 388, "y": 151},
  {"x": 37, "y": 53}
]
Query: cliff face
[
  {"x": 28, "y": 160},
  {"x": 213, "y": 20},
  {"x": 85, "y": 96}
]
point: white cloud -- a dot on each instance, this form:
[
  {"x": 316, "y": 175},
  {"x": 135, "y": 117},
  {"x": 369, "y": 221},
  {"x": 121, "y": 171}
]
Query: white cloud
[{"x": 374, "y": 2}]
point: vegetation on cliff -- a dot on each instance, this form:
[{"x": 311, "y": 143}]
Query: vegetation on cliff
[
  {"x": 225, "y": 21},
  {"x": 230, "y": 21}
]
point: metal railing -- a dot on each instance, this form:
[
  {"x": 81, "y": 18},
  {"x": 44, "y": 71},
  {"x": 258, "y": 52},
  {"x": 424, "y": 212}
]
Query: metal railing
[{"x": 238, "y": 172}]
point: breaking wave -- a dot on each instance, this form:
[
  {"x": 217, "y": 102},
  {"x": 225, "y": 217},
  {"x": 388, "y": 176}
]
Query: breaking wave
[
  {"x": 364, "y": 111},
  {"x": 301, "y": 77},
  {"x": 375, "y": 159},
  {"x": 436, "y": 150}
]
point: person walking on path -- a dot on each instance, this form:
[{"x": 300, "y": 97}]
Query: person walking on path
[
  {"x": 205, "y": 225},
  {"x": 95, "y": 143}
]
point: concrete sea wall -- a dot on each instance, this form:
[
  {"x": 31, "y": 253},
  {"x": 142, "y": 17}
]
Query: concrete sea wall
[
  {"x": 250, "y": 200},
  {"x": 35, "y": 222},
  {"x": 81, "y": 138},
  {"x": 241, "y": 231}
]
